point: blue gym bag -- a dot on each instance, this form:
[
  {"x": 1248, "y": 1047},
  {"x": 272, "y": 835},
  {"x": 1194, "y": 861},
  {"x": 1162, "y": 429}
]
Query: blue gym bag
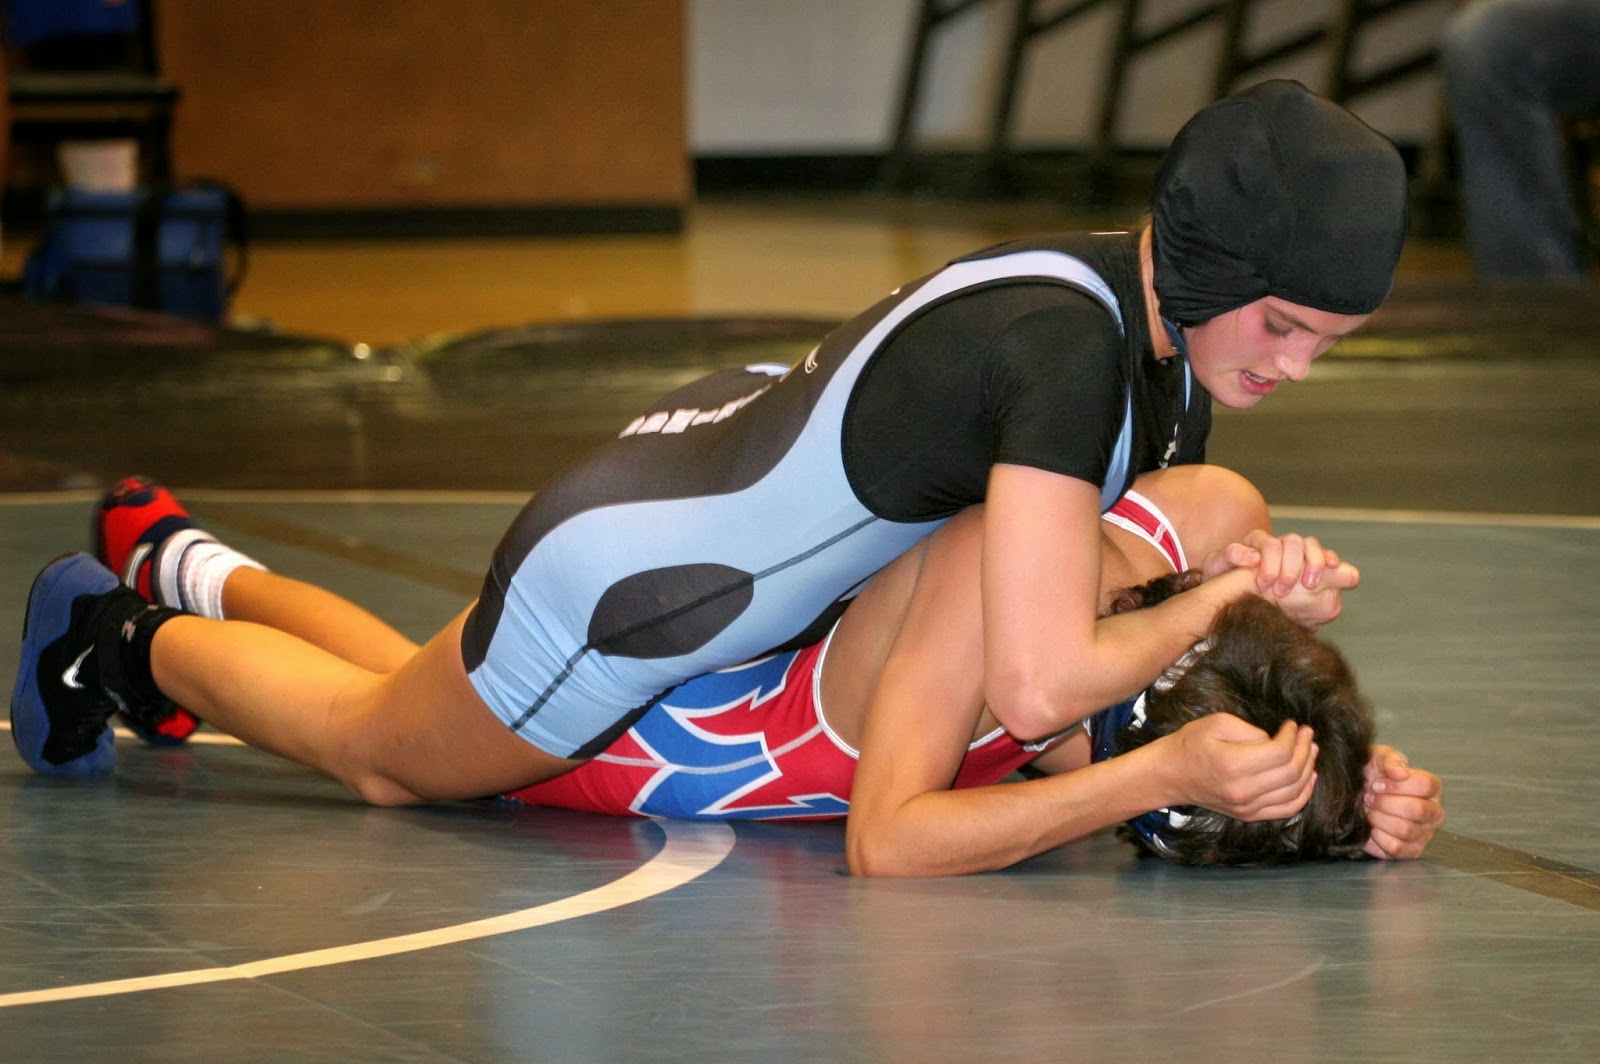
[{"x": 180, "y": 251}]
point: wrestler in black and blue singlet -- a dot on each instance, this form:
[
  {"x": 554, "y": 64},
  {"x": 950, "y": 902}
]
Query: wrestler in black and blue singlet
[
  {"x": 734, "y": 516},
  {"x": 740, "y": 509}
]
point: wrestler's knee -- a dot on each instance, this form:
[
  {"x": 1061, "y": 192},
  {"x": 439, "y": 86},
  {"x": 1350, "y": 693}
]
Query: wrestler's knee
[
  {"x": 360, "y": 746},
  {"x": 1210, "y": 506},
  {"x": 378, "y": 789},
  {"x": 372, "y": 782}
]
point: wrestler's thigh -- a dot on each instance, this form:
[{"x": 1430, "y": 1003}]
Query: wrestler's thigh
[{"x": 425, "y": 729}]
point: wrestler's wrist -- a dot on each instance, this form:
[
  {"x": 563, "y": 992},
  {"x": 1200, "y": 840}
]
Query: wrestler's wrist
[
  {"x": 1163, "y": 773},
  {"x": 1215, "y": 593}
]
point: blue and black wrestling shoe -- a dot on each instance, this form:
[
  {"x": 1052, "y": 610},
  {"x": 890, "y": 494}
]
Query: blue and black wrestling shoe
[
  {"x": 59, "y": 711},
  {"x": 71, "y": 678}
]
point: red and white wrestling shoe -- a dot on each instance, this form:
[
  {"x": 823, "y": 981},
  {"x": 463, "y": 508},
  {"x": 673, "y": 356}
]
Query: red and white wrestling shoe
[{"x": 132, "y": 522}]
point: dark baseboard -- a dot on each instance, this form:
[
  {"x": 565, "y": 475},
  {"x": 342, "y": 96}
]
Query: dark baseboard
[
  {"x": 865, "y": 171},
  {"x": 786, "y": 173},
  {"x": 1075, "y": 177},
  {"x": 1058, "y": 174}
]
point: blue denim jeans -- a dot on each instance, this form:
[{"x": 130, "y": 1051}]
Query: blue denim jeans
[{"x": 1513, "y": 71}]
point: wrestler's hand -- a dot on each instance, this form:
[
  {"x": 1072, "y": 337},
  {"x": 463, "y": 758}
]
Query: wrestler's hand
[
  {"x": 1301, "y": 576},
  {"x": 1293, "y": 560},
  {"x": 1233, "y": 556},
  {"x": 1313, "y": 607},
  {"x": 1281, "y": 563},
  {"x": 1232, "y": 767},
  {"x": 1403, "y": 805}
]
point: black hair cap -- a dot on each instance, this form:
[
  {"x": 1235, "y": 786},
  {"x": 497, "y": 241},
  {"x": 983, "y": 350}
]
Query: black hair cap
[{"x": 1277, "y": 191}]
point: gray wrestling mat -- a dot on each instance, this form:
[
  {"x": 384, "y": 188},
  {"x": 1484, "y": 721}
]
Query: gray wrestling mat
[{"x": 212, "y": 903}]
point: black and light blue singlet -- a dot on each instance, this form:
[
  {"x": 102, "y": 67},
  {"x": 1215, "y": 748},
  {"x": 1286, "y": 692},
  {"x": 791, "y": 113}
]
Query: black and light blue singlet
[{"x": 738, "y": 513}]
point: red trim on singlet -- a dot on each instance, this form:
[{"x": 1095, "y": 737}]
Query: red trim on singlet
[{"x": 1150, "y": 523}]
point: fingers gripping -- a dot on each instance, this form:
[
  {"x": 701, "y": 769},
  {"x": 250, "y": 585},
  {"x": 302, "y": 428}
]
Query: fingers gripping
[
  {"x": 1248, "y": 775},
  {"x": 1403, "y": 806}
]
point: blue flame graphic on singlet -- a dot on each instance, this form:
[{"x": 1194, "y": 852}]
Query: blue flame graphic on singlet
[{"x": 711, "y": 770}]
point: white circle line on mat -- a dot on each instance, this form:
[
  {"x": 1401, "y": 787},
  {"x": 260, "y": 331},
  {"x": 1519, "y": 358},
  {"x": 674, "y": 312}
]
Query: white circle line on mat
[{"x": 692, "y": 849}]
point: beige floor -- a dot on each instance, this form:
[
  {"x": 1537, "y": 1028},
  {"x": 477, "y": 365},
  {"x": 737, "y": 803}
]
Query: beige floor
[{"x": 827, "y": 258}]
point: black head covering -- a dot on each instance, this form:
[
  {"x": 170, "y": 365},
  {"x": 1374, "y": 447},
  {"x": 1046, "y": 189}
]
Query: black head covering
[{"x": 1277, "y": 191}]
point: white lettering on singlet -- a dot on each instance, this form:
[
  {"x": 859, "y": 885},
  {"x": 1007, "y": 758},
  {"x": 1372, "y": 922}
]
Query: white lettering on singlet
[{"x": 679, "y": 420}]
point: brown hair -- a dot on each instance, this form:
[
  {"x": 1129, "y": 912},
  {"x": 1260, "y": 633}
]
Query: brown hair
[{"x": 1264, "y": 668}]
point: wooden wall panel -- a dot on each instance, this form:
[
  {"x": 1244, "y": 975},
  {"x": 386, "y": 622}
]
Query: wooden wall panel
[{"x": 329, "y": 104}]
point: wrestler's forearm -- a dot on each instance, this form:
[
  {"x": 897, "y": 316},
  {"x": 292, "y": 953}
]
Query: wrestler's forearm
[
  {"x": 1124, "y": 654},
  {"x": 980, "y": 829}
]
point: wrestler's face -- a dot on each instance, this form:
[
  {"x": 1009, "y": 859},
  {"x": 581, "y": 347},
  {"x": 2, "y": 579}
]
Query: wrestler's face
[{"x": 1242, "y": 356}]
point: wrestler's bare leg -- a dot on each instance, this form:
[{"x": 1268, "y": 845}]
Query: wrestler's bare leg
[
  {"x": 416, "y": 734},
  {"x": 317, "y": 616}
]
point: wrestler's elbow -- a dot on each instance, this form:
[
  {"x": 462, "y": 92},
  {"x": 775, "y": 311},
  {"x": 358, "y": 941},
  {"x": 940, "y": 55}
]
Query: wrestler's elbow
[
  {"x": 873, "y": 848},
  {"x": 882, "y": 863},
  {"x": 866, "y": 862},
  {"x": 1030, "y": 710}
]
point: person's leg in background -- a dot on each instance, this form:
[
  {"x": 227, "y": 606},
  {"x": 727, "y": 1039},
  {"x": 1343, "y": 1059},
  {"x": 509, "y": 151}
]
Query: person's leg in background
[{"x": 1513, "y": 70}]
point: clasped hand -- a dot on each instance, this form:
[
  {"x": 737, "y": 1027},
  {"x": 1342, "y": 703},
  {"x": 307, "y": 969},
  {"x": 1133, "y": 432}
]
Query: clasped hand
[
  {"x": 1404, "y": 805},
  {"x": 1304, "y": 578},
  {"x": 1235, "y": 768}
]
